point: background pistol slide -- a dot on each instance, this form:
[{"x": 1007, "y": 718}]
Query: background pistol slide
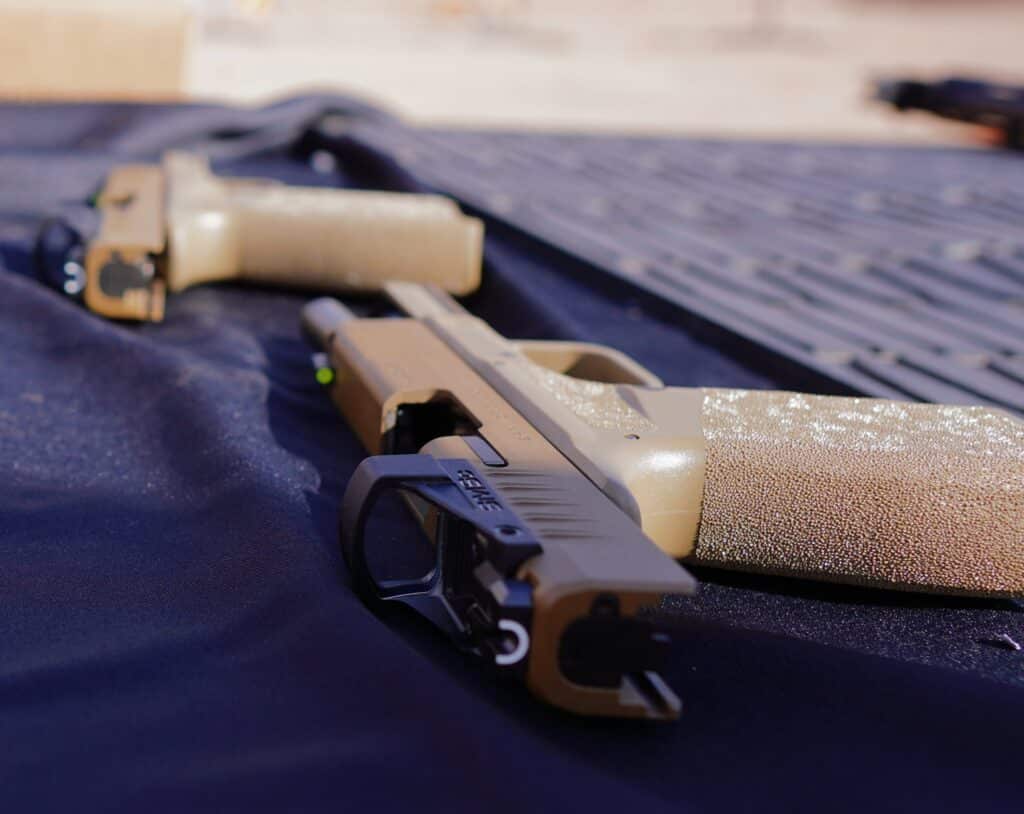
[
  {"x": 172, "y": 226},
  {"x": 916, "y": 497}
]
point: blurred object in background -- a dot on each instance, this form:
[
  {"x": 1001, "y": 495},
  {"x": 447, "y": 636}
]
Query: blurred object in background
[
  {"x": 89, "y": 49},
  {"x": 997, "y": 109}
]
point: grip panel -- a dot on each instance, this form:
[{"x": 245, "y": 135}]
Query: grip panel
[
  {"x": 915, "y": 496},
  {"x": 328, "y": 239}
]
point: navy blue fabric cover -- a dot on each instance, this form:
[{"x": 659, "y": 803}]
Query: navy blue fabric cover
[{"x": 177, "y": 628}]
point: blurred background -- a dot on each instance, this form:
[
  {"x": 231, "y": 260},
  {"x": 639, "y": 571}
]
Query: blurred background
[{"x": 785, "y": 68}]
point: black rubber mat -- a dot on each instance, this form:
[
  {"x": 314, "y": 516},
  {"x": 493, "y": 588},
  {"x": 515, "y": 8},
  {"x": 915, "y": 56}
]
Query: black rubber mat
[{"x": 894, "y": 271}]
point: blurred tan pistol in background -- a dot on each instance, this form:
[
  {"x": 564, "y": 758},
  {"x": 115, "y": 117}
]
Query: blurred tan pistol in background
[
  {"x": 168, "y": 227},
  {"x": 560, "y": 482}
]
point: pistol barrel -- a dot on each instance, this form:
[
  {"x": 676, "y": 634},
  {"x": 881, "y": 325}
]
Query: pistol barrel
[{"x": 321, "y": 318}]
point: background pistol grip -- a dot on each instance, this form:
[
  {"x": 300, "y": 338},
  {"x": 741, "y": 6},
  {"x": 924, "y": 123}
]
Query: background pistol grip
[
  {"x": 916, "y": 496},
  {"x": 334, "y": 240}
]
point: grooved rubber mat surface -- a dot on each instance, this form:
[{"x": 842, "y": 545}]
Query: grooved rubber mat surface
[{"x": 893, "y": 271}]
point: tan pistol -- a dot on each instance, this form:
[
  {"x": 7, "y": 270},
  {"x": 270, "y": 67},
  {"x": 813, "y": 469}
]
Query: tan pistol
[
  {"x": 560, "y": 483},
  {"x": 170, "y": 226}
]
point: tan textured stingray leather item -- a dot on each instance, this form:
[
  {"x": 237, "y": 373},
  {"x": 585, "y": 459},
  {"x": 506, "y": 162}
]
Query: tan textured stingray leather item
[{"x": 916, "y": 496}]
